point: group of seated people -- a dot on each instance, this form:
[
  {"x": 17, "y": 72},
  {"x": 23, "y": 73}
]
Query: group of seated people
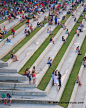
[
  {"x": 6, "y": 98},
  {"x": 31, "y": 75},
  {"x": 10, "y": 18},
  {"x": 3, "y": 32},
  {"x": 39, "y": 24},
  {"x": 27, "y": 32},
  {"x": 21, "y": 18}
]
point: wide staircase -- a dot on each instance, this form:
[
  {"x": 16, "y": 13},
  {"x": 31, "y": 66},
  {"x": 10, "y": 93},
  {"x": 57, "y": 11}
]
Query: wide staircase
[{"x": 18, "y": 85}]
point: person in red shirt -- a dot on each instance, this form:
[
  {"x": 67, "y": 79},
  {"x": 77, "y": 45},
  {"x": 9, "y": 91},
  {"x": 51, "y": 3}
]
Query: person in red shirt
[
  {"x": 28, "y": 22},
  {"x": 13, "y": 32}
]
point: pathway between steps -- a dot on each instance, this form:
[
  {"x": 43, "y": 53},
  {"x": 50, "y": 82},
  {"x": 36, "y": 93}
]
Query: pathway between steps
[{"x": 80, "y": 95}]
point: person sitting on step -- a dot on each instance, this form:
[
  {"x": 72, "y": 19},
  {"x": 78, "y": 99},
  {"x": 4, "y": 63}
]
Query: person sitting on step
[
  {"x": 63, "y": 26},
  {"x": 3, "y": 96},
  {"x": 9, "y": 98},
  {"x": 49, "y": 61},
  {"x": 78, "y": 50},
  {"x": 78, "y": 81},
  {"x": 27, "y": 32},
  {"x": 67, "y": 32},
  {"x": 8, "y": 40},
  {"x": 13, "y": 56},
  {"x": 63, "y": 39},
  {"x": 51, "y": 39}
]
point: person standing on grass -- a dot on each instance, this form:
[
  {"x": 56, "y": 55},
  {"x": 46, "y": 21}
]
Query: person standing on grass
[
  {"x": 59, "y": 80},
  {"x": 13, "y": 32}
]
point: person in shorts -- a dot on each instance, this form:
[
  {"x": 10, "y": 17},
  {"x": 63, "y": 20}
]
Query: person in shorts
[
  {"x": 8, "y": 99},
  {"x": 3, "y": 97}
]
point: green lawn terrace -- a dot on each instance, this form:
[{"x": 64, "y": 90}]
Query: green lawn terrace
[{"x": 43, "y": 91}]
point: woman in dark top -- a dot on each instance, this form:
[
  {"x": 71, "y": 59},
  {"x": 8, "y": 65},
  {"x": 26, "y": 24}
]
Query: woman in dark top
[
  {"x": 63, "y": 39},
  {"x": 14, "y": 57}
]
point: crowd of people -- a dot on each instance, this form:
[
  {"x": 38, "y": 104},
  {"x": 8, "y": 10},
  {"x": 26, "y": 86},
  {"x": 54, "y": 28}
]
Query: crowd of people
[{"x": 11, "y": 13}]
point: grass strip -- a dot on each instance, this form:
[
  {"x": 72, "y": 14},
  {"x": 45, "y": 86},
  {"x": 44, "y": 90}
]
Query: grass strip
[
  {"x": 72, "y": 78},
  {"x": 45, "y": 80},
  {"x": 26, "y": 39},
  {"x": 2, "y": 21},
  {"x": 41, "y": 48}
]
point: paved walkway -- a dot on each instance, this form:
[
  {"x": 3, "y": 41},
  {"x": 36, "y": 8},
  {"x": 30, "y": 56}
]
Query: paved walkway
[
  {"x": 29, "y": 106},
  {"x": 80, "y": 95}
]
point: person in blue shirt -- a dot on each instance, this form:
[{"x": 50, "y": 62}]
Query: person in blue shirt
[{"x": 55, "y": 19}]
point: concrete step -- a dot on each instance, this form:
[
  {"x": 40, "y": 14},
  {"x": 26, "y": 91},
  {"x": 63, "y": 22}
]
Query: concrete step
[
  {"x": 4, "y": 23},
  {"x": 20, "y": 92},
  {"x": 70, "y": 60},
  {"x": 50, "y": 51},
  {"x": 43, "y": 35},
  {"x": 17, "y": 31},
  {"x": 35, "y": 100},
  {"x": 12, "y": 77},
  {"x": 16, "y": 84},
  {"x": 4, "y": 49}
]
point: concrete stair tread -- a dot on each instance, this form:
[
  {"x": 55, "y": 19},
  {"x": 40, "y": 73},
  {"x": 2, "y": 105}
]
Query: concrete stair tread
[
  {"x": 17, "y": 38},
  {"x": 53, "y": 48},
  {"x": 23, "y": 55}
]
